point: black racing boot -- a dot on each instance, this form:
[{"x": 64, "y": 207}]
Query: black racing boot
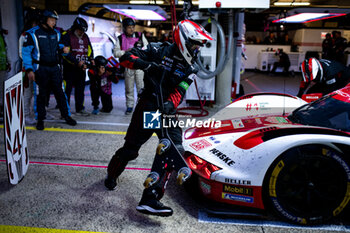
[
  {"x": 70, "y": 121},
  {"x": 110, "y": 183},
  {"x": 149, "y": 204},
  {"x": 154, "y": 207}
]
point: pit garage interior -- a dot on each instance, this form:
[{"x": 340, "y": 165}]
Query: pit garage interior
[{"x": 63, "y": 189}]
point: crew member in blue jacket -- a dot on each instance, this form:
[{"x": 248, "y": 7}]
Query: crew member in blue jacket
[{"x": 40, "y": 52}]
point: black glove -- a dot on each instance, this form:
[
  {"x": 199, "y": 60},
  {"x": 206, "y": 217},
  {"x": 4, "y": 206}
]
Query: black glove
[
  {"x": 154, "y": 68},
  {"x": 138, "y": 44},
  {"x": 168, "y": 108}
]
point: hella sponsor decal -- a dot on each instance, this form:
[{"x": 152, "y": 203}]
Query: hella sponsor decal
[
  {"x": 199, "y": 145},
  {"x": 234, "y": 197},
  {"x": 238, "y": 190},
  {"x": 236, "y": 181}
]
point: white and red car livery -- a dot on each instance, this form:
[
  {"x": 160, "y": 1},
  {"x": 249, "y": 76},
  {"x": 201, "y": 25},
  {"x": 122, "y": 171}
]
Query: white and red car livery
[{"x": 296, "y": 162}]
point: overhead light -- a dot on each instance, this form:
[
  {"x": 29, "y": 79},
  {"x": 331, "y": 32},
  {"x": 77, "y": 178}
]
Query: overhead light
[
  {"x": 193, "y": 2},
  {"x": 138, "y": 12},
  {"x": 307, "y": 17},
  {"x": 146, "y": 2},
  {"x": 291, "y": 3}
]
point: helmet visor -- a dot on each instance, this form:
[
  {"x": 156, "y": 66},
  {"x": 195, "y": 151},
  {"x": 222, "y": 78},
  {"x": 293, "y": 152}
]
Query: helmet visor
[
  {"x": 84, "y": 29},
  {"x": 193, "y": 47}
]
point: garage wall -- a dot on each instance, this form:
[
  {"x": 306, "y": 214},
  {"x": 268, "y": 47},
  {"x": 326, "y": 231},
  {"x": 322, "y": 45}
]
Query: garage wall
[
  {"x": 311, "y": 40},
  {"x": 9, "y": 21}
]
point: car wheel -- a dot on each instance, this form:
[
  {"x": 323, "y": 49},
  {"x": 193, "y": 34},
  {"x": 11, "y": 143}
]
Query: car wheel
[{"x": 308, "y": 184}]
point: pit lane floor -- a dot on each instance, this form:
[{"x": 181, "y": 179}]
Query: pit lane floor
[{"x": 63, "y": 190}]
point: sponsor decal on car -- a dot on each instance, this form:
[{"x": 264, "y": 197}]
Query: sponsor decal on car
[
  {"x": 235, "y": 181},
  {"x": 251, "y": 106},
  {"x": 222, "y": 156},
  {"x": 288, "y": 215},
  {"x": 206, "y": 188},
  {"x": 281, "y": 120},
  {"x": 234, "y": 197},
  {"x": 264, "y": 105},
  {"x": 201, "y": 144},
  {"x": 237, "y": 124},
  {"x": 238, "y": 190},
  {"x": 271, "y": 120},
  {"x": 258, "y": 121},
  {"x": 214, "y": 140},
  {"x": 276, "y": 120}
]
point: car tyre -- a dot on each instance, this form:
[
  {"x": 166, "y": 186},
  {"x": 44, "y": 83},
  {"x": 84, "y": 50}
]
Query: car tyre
[{"x": 308, "y": 184}]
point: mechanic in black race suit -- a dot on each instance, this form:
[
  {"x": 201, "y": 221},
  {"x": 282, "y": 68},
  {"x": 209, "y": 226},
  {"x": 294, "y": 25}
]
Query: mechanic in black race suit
[
  {"x": 177, "y": 60},
  {"x": 40, "y": 53},
  {"x": 325, "y": 75},
  {"x": 75, "y": 62}
]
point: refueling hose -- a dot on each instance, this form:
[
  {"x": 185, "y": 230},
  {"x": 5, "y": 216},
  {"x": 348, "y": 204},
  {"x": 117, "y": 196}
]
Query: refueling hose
[
  {"x": 203, "y": 72},
  {"x": 206, "y": 74}
]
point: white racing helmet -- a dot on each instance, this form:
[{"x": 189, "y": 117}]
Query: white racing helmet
[
  {"x": 189, "y": 38},
  {"x": 311, "y": 70}
]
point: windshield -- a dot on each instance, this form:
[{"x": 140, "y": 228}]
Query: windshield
[{"x": 325, "y": 112}]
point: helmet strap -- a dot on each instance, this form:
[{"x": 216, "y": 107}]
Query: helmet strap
[{"x": 178, "y": 54}]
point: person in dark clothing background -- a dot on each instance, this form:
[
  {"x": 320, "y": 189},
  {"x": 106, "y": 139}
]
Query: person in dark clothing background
[
  {"x": 40, "y": 54},
  {"x": 176, "y": 61},
  {"x": 270, "y": 39},
  {"x": 324, "y": 75},
  {"x": 327, "y": 45},
  {"x": 339, "y": 46},
  {"x": 285, "y": 40},
  {"x": 283, "y": 62},
  {"x": 32, "y": 19},
  {"x": 5, "y": 66},
  {"x": 75, "y": 63}
]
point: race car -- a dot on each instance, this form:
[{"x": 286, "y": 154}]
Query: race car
[{"x": 292, "y": 160}]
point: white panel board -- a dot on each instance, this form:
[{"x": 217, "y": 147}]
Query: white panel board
[
  {"x": 15, "y": 133},
  {"x": 234, "y": 4}
]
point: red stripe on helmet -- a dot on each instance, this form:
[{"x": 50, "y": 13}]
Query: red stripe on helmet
[
  {"x": 177, "y": 38},
  {"x": 311, "y": 75},
  {"x": 199, "y": 29}
]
